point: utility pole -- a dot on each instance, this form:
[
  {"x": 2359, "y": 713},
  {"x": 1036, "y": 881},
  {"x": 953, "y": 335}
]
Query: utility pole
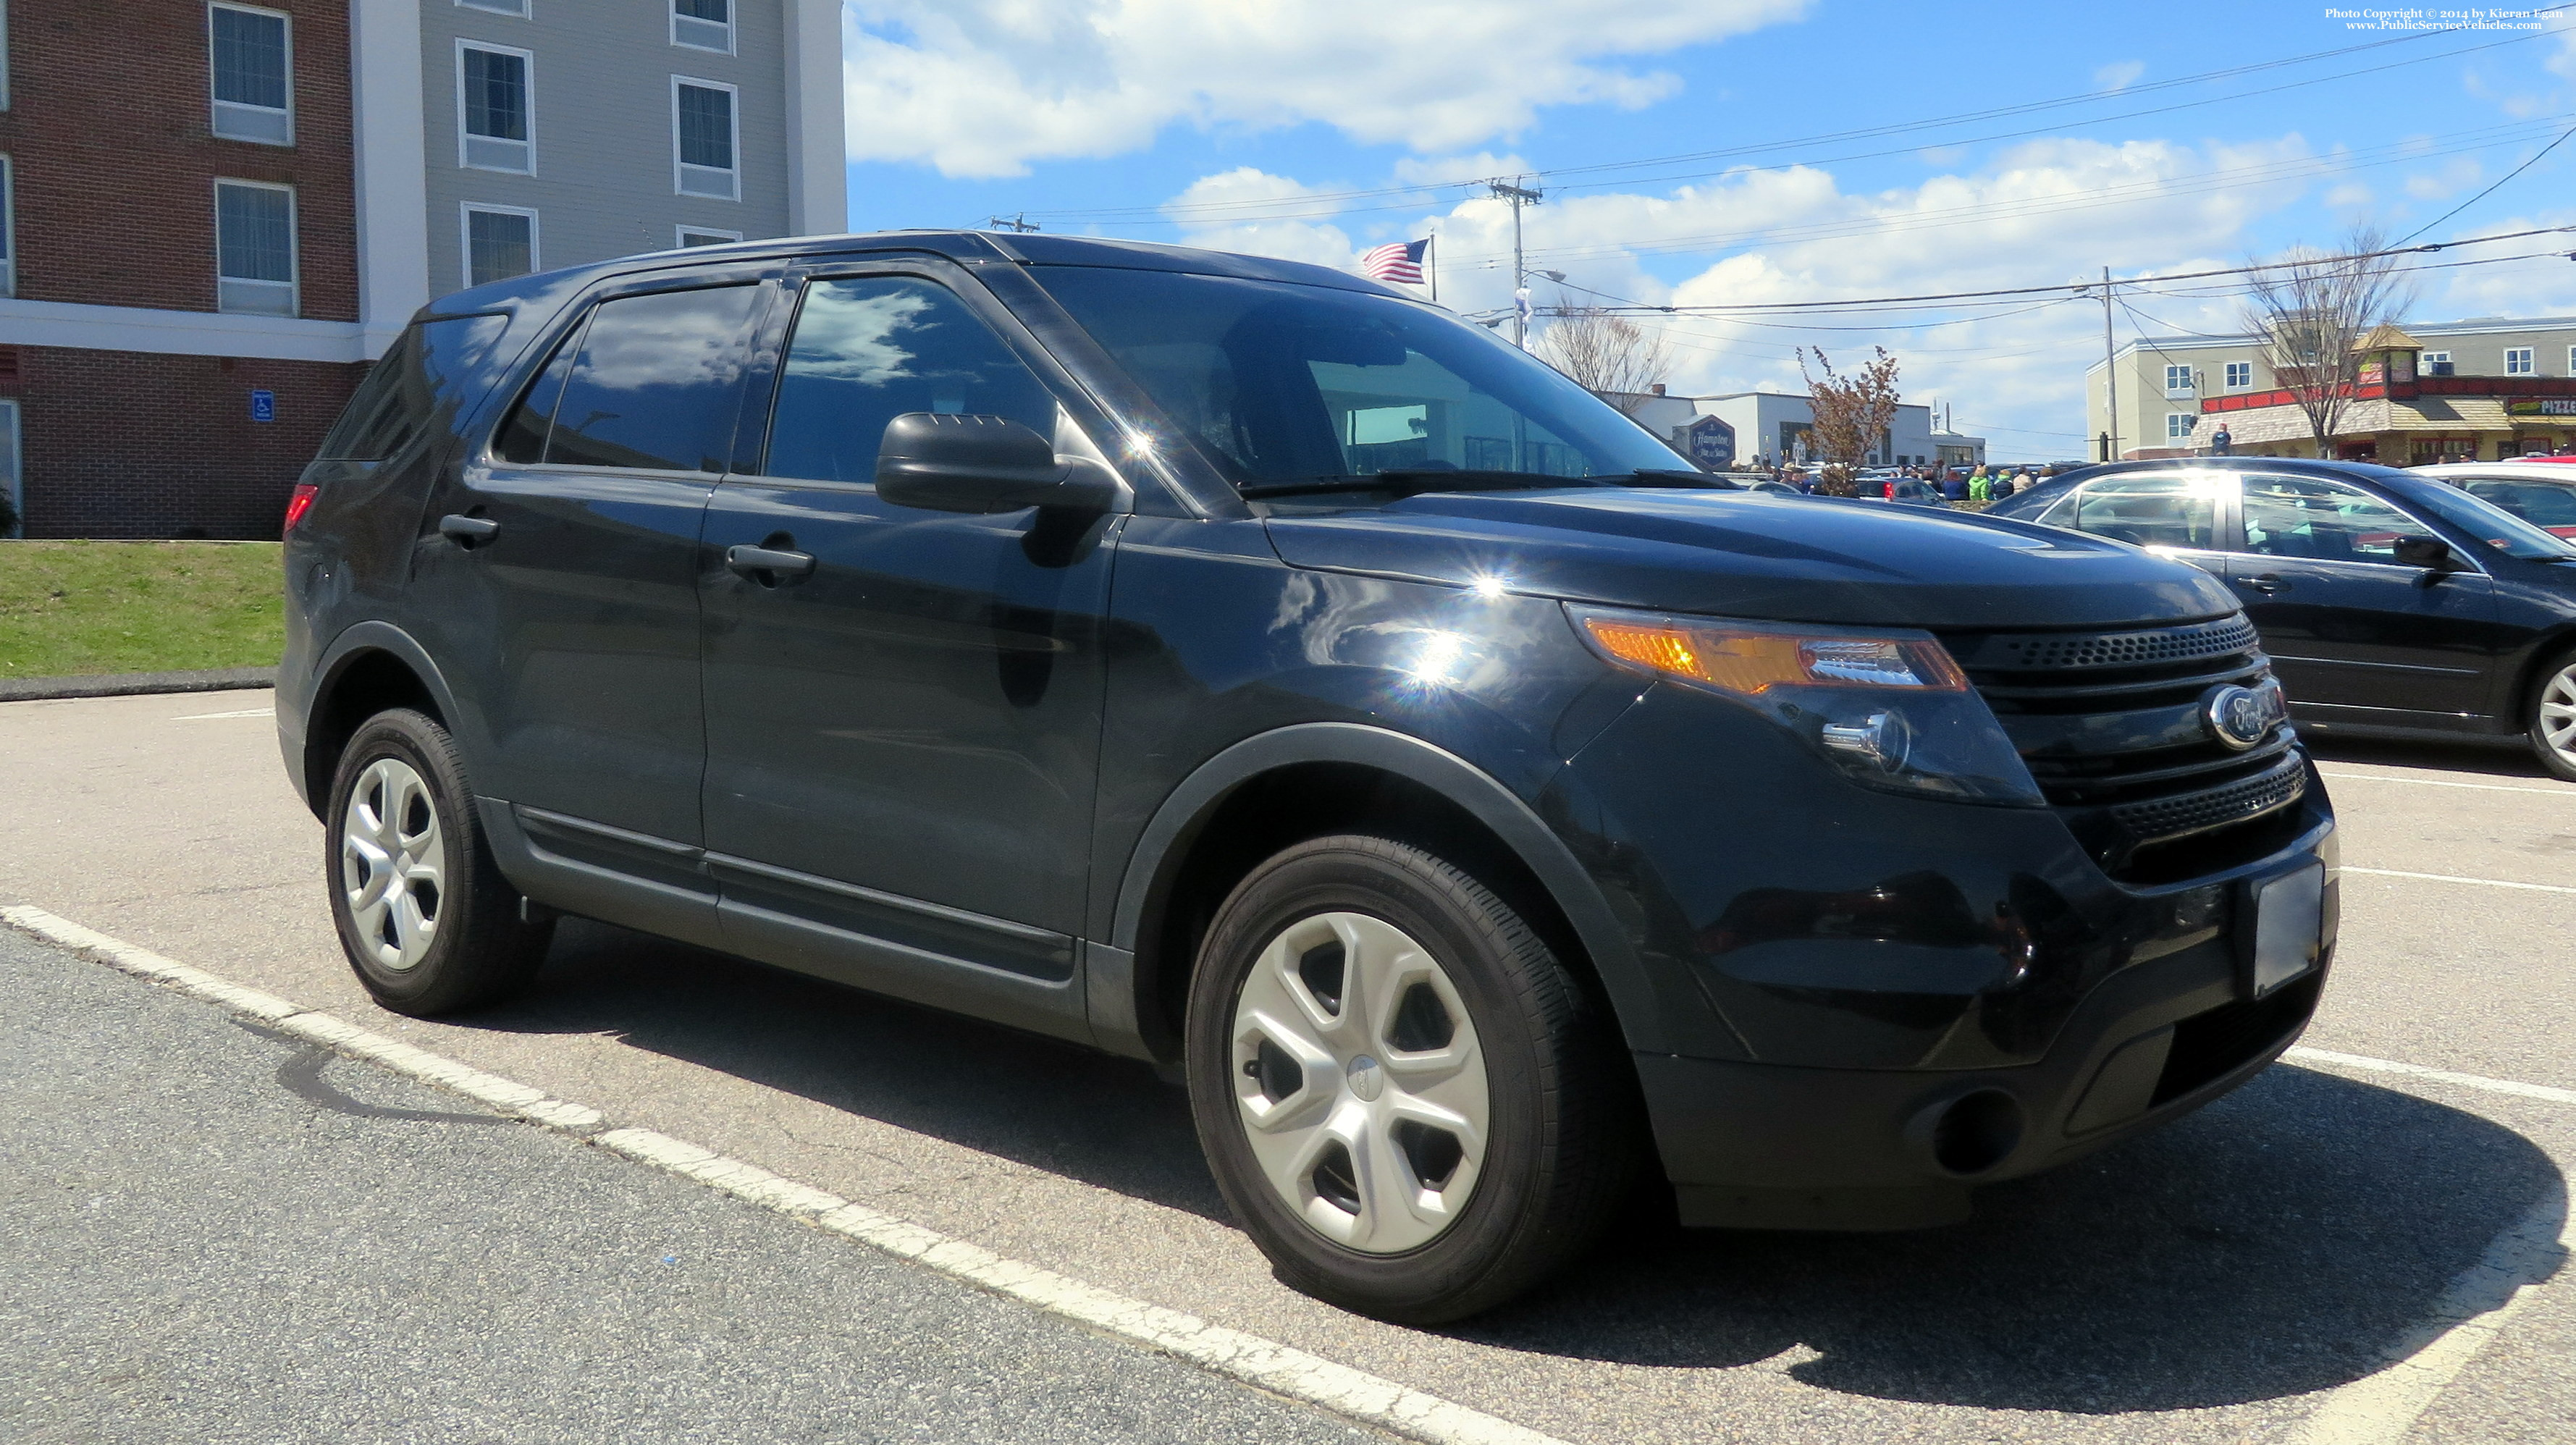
[
  {"x": 2110, "y": 374},
  {"x": 1020, "y": 222},
  {"x": 1518, "y": 196}
]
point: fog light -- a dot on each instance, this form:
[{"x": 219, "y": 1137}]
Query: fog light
[{"x": 1882, "y": 738}]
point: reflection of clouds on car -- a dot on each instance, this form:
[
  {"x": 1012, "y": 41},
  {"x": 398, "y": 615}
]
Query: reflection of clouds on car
[{"x": 849, "y": 335}]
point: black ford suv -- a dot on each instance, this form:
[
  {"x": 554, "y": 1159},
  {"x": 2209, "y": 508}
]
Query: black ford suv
[{"x": 1231, "y": 663}]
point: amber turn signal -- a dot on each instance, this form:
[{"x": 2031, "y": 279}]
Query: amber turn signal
[{"x": 1749, "y": 662}]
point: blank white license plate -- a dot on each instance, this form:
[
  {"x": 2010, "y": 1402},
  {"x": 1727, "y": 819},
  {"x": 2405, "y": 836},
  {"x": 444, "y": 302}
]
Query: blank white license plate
[{"x": 2289, "y": 927}]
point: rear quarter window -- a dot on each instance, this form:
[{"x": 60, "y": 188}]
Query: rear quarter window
[{"x": 415, "y": 389}]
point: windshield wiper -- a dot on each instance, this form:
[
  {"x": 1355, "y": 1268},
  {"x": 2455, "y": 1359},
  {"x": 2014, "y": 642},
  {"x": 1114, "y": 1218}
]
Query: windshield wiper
[{"x": 1415, "y": 480}]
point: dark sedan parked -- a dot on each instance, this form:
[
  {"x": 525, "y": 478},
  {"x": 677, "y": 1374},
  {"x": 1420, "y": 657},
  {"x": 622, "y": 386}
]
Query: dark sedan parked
[{"x": 2391, "y": 603}]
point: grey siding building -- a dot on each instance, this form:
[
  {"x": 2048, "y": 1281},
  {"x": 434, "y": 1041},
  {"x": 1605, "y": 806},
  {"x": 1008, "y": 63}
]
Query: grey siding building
[{"x": 498, "y": 137}]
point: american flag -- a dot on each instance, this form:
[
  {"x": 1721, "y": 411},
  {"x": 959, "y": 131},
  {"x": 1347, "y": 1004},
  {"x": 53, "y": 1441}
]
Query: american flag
[{"x": 1396, "y": 261}]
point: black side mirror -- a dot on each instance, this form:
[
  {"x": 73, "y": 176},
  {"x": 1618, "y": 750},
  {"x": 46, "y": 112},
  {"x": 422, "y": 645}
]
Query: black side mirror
[
  {"x": 948, "y": 463},
  {"x": 2428, "y": 552}
]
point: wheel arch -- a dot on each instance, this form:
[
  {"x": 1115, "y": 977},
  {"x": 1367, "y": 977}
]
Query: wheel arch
[
  {"x": 1281, "y": 787},
  {"x": 370, "y": 667}
]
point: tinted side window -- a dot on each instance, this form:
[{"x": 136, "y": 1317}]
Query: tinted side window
[
  {"x": 867, "y": 350},
  {"x": 2327, "y": 521},
  {"x": 522, "y": 438},
  {"x": 414, "y": 386},
  {"x": 657, "y": 382},
  {"x": 2544, "y": 504},
  {"x": 2147, "y": 511}
]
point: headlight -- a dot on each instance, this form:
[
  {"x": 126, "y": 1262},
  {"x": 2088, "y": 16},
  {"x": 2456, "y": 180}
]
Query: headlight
[{"x": 1890, "y": 709}]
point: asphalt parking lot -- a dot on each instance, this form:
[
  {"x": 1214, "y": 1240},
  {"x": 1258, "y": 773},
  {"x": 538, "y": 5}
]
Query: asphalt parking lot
[{"x": 2246, "y": 1275}]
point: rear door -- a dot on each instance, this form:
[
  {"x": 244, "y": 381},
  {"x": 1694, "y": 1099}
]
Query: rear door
[
  {"x": 558, "y": 568},
  {"x": 904, "y": 729},
  {"x": 2347, "y": 627}
]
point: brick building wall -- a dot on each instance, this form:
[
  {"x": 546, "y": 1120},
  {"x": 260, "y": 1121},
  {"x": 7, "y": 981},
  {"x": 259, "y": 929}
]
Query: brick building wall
[
  {"x": 109, "y": 128},
  {"x": 110, "y": 137},
  {"x": 133, "y": 444}
]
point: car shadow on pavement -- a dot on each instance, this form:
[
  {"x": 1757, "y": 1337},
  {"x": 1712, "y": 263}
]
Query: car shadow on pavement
[
  {"x": 1042, "y": 1102},
  {"x": 2276, "y": 1242}
]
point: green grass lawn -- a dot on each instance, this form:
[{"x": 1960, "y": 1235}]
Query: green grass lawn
[{"x": 78, "y": 608}]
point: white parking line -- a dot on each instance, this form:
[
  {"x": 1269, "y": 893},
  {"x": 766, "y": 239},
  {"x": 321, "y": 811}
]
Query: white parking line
[
  {"x": 2455, "y": 878},
  {"x": 2304, "y": 1054},
  {"x": 2378, "y": 1409},
  {"x": 245, "y": 712},
  {"x": 2544, "y": 791},
  {"x": 1263, "y": 1363}
]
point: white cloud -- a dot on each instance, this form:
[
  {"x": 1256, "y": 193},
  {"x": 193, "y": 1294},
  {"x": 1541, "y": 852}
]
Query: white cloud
[
  {"x": 1320, "y": 242},
  {"x": 2028, "y": 217},
  {"x": 2457, "y": 176},
  {"x": 2119, "y": 75},
  {"x": 983, "y": 87}
]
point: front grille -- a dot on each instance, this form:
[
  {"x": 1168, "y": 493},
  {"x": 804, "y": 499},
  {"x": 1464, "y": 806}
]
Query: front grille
[
  {"x": 2058, "y": 651},
  {"x": 2110, "y": 725}
]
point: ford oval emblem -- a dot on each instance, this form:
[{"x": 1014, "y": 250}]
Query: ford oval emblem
[{"x": 2240, "y": 717}]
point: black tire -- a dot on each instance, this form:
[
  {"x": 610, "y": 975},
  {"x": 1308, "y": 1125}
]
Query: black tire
[
  {"x": 2556, "y": 688},
  {"x": 1564, "y": 1128},
  {"x": 476, "y": 949}
]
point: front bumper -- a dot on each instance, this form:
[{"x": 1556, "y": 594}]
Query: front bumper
[{"x": 1898, "y": 1000}]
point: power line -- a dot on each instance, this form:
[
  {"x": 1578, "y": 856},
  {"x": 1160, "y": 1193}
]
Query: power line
[
  {"x": 2086, "y": 286},
  {"x": 1254, "y": 209},
  {"x": 2151, "y": 188},
  {"x": 2491, "y": 190}
]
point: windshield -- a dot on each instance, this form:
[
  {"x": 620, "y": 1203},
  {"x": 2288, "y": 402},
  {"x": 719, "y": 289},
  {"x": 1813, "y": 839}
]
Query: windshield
[
  {"x": 1282, "y": 384},
  {"x": 2492, "y": 524}
]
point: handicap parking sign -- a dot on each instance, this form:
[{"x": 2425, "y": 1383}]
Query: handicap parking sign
[{"x": 263, "y": 406}]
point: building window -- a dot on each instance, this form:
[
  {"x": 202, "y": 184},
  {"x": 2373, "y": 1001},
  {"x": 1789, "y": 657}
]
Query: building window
[
  {"x": 2518, "y": 361},
  {"x": 8, "y": 227},
  {"x": 498, "y": 7},
  {"x": 2178, "y": 424},
  {"x": 2240, "y": 375},
  {"x": 4, "y": 54},
  {"x": 254, "y": 248},
  {"x": 500, "y": 242},
  {"x": 2437, "y": 363},
  {"x": 703, "y": 24},
  {"x": 495, "y": 114},
  {"x": 2177, "y": 381},
  {"x": 252, "y": 56},
  {"x": 705, "y": 236},
  {"x": 702, "y": 133}
]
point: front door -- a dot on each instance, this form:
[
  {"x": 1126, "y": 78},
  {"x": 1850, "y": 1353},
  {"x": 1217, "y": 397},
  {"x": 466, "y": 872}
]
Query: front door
[
  {"x": 558, "y": 571},
  {"x": 2347, "y": 627},
  {"x": 903, "y": 721}
]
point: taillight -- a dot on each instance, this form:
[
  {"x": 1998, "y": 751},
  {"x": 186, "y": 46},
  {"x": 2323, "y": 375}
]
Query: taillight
[{"x": 298, "y": 504}]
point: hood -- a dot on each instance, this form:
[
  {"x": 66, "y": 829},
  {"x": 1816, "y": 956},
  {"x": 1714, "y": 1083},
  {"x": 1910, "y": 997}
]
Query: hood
[{"x": 1754, "y": 555}]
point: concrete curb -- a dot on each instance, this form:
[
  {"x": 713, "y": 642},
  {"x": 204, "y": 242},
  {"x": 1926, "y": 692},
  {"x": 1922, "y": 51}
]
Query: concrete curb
[{"x": 126, "y": 684}]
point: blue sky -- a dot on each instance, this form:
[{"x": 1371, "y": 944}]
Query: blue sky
[{"x": 1315, "y": 129}]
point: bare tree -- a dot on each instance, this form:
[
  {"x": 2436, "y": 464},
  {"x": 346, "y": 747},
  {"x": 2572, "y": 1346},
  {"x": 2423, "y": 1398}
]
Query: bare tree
[
  {"x": 1852, "y": 414},
  {"x": 1606, "y": 353},
  {"x": 2313, "y": 309}
]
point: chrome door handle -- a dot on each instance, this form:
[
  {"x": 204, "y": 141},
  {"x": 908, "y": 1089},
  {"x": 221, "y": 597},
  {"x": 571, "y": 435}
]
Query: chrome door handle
[
  {"x": 465, "y": 531},
  {"x": 2267, "y": 584},
  {"x": 767, "y": 566}
]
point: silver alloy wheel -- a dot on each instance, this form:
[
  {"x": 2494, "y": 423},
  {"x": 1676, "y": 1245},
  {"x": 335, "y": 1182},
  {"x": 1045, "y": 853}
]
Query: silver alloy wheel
[
  {"x": 393, "y": 863},
  {"x": 2558, "y": 714},
  {"x": 1360, "y": 1083}
]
